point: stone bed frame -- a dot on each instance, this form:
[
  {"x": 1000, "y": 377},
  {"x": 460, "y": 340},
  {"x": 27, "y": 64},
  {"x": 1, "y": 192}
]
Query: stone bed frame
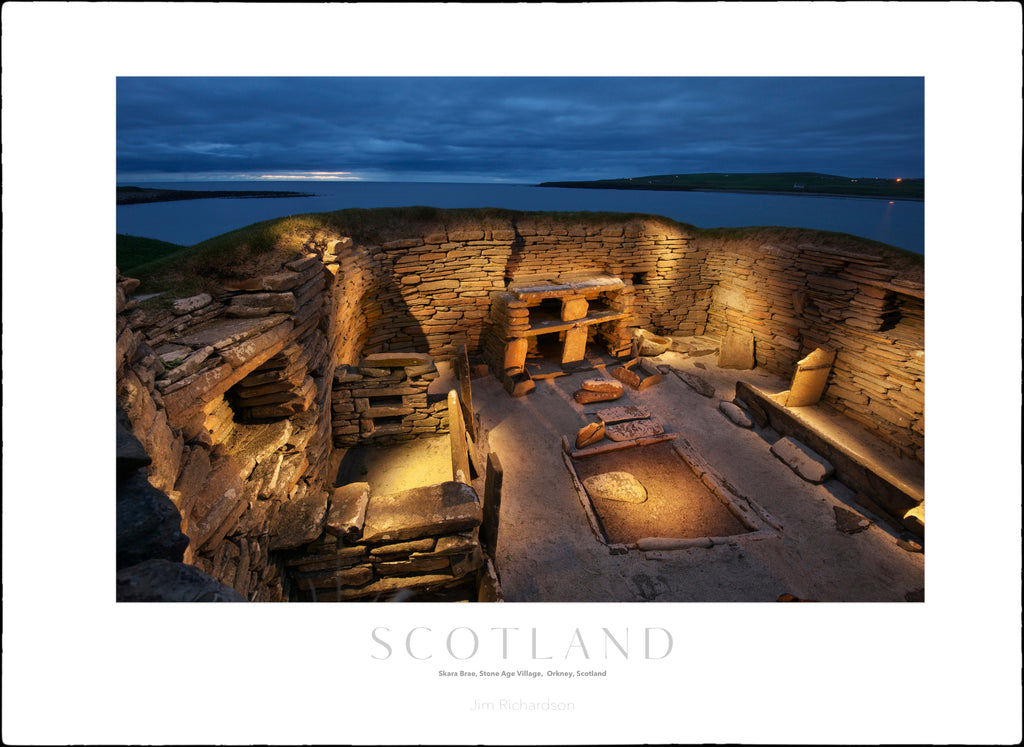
[{"x": 759, "y": 523}]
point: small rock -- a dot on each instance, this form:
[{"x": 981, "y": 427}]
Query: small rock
[
  {"x": 909, "y": 545},
  {"x": 585, "y": 397},
  {"x": 608, "y": 386},
  {"x": 590, "y": 434},
  {"x": 802, "y": 460},
  {"x": 616, "y": 486},
  {"x": 850, "y": 521},
  {"x": 735, "y": 414}
]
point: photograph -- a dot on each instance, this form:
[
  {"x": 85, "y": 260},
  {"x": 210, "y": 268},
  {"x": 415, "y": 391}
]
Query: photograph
[
  {"x": 502, "y": 373},
  {"x": 473, "y": 350}
]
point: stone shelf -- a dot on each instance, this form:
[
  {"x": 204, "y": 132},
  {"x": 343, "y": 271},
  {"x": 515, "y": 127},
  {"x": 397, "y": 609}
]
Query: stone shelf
[
  {"x": 542, "y": 322},
  {"x": 538, "y": 289}
]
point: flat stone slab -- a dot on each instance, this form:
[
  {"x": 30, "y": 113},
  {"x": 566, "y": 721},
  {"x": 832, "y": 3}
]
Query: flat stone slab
[
  {"x": 633, "y": 429},
  {"x": 347, "y": 512},
  {"x": 395, "y": 360},
  {"x": 616, "y": 486},
  {"x": 695, "y": 382},
  {"x": 735, "y": 414},
  {"x": 192, "y": 303},
  {"x": 618, "y": 414},
  {"x": 299, "y": 521},
  {"x": 223, "y": 332},
  {"x": 849, "y": 521},
  {"x": 737, "y": 351},
  {"x": 445, "y": 508},
  {"x": 537, "y": 288},
  {"x": 802, "y": 460}
]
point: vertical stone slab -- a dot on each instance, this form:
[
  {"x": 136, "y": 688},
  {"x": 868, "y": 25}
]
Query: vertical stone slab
[
  {"x": 737, "y": 351},
  {"x": 465, "y": 390},
  {"x": 811, "y": 378},
  {"x": 492, "y": 503},
  {"x": 457, "y": 435},
  {"x": 575, "y": 349},
  {"x": 515, "y": 354},
  {"x": 573, "y": 308}
]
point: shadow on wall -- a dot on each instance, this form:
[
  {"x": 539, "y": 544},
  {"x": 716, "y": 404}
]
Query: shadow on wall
[{"x": 515, "y": 258}]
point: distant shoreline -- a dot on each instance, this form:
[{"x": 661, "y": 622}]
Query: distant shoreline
[
  {"x": 790, "y": 193},
  {"x": 140, "y": 195}
]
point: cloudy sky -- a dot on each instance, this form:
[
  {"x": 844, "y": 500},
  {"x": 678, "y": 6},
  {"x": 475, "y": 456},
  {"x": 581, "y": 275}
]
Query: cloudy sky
[{"x": 522, "y": 130}]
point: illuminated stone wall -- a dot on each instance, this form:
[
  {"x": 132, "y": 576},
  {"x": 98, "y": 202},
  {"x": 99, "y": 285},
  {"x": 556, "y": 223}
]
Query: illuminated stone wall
[
  {"x": 231, "y": 396},
  {"x": 385, "y": 399},
  {"x": 793, "y": 299},
  {"x": 432, "y": 293}
]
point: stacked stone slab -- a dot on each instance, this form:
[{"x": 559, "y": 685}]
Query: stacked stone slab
[
  {"x": 409, "y": 543},
  {"x": 583, "y": 308},
  {"x": 432, "y": 292},
  {"x": 245, "y": 378},
  {"x": 385, "y": 400},
  {"x": 202, "y": 482}
]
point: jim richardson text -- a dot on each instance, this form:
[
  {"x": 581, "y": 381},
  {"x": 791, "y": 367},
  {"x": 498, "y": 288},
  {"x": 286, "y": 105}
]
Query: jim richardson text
[{"x": 518, "y": 704}]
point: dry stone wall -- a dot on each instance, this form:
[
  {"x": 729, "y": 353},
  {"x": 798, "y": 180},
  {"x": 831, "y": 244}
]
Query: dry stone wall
[
  {"x": 794, "y": 299},
  {"x": 239, "y": 399},
  {"x": 421, "y": 540},
  {"x": 433, "y": 292},
  {"x": 231, "y": 398},
  {"x": 385, "y": 399}
]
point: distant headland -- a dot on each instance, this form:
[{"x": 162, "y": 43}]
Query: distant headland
[
  {"x": 137, "y": 195},
  {"x": 795, "y": 182}
]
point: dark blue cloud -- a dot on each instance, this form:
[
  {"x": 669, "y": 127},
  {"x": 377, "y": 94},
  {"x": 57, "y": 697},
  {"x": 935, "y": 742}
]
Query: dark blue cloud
[{"x": 519, "y": 129}]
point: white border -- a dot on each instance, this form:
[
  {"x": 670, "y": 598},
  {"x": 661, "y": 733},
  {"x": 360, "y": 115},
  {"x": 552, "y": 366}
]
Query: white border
[{"x": 78, "y": 668}]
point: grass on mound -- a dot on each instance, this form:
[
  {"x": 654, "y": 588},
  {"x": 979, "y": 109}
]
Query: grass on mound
[
  {"x": 133, "y": 251},
  {"x": 175, "y": 271}
]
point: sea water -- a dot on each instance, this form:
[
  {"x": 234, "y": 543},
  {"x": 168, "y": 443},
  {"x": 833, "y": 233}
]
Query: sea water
[{"x": 899, "y": 222}]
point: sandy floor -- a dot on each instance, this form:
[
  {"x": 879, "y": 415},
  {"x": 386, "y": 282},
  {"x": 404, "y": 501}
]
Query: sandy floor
[{"x": 548, "y": 552}]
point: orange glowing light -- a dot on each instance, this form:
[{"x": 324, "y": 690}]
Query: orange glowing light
[{"x": 899, "y": 180}]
